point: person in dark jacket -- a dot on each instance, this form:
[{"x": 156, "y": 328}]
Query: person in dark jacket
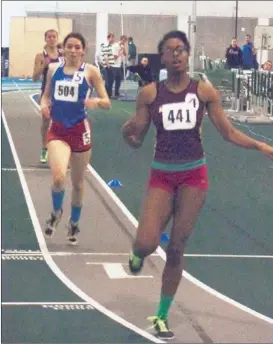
[
  {"x": 143, "y": 72},
  {"x": 234, "y": 55}
]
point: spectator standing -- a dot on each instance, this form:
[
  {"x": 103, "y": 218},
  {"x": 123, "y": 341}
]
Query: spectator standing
[
  {"x": 114, "y": 55},
  {"x": 132, "y": 52},
  {"x": 108, "y": 62},
  {"x": 234, "y": 55},
  {"x": 119, "y": 54},
  {"x": 99, "y": 60},
  {"x": 247, "y": 53}
]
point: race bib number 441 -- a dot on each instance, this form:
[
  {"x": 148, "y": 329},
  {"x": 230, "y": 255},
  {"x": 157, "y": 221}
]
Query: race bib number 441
[
  {"x": 181, "y": 116},
  {"x": 66, "y": 91}
]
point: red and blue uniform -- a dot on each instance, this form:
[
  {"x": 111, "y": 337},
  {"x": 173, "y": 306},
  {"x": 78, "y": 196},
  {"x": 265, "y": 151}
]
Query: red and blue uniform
[{"x": 69, "y": 121}]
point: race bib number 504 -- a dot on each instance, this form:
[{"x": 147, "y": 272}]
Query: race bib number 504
[
  {"x": 181, "y": 116},
  {"x": 66, "y": 91}
]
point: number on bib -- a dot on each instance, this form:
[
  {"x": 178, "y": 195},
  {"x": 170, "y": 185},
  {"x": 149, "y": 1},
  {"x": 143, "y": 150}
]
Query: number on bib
[
  {"x": 78, "y": 77},
  {"x": 171, "y": 116},
  {"x": 86, "y": 138},
  {"x": 180, "y": 116},
  {"x": 66, "y": 91}
]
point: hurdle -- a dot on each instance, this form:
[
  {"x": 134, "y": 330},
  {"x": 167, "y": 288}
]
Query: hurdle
[
  {"x": 240, "y": 90},
  {"x": 262, "y": 92},
  {"x": 252, "y": 96}
]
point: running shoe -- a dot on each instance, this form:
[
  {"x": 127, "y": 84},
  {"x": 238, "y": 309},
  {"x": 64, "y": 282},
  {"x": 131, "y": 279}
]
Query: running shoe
[
  {"x": 161, "y": 327},
  {"x": 43, "y": 156},
  {"x": 73, "y": 231},
  {"x": 135, "y": 263},
  {"x": 52, "y": 223}
]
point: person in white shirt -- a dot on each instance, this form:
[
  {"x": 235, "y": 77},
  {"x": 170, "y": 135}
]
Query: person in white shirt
[
  {"x": 99, "y": 56},
  {"x": 99, "y": 60},
  {"x": 108, "y": 62},
  {"x": 119, "y": 53}
]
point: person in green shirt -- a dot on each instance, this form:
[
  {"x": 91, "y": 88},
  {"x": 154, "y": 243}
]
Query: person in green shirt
[{"x": 132, "y": 52}]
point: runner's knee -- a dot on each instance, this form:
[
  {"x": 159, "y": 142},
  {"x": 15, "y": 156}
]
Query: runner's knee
[
  {"x": 77, "y": 186},
  {"x": 147, "y": 242},
  {"x": 175, "y": 251},
  {"x": 59, "y": 180},
  {"x": 173, "y": 255}
]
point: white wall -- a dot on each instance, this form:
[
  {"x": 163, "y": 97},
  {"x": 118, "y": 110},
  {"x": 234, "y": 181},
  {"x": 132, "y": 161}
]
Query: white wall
[
  {"x": 27, "y": 39},
  {"x": 262, "y": 9},
  {"x": 101, "y": 29},
  {"x": 210, "y": 8}
]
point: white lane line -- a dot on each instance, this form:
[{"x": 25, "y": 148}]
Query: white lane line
[
  {"x": 36, "y": 169},
  {"x": 42, "y": 303},
  {"x": 108, "y": 254},
  {"x": 240, "y": 256},
  {"x": 32, "y": 169},
  {"x": 117, "y": 271},
  {"x": 60, "y": 254}
]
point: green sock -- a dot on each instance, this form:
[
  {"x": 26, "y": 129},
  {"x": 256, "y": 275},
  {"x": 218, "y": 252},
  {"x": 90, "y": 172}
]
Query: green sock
[{"x": 164, "y": 306}]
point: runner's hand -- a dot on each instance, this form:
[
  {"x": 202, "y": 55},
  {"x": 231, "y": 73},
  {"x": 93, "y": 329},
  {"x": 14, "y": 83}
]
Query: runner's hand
[
  {"x": 92, "y": 103},
  {"x": 129, "y": 128},
  {"x": 267, "y": 150},
  {"x": 45, "y": 111},
  {"x": 133, "y": 141}
]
